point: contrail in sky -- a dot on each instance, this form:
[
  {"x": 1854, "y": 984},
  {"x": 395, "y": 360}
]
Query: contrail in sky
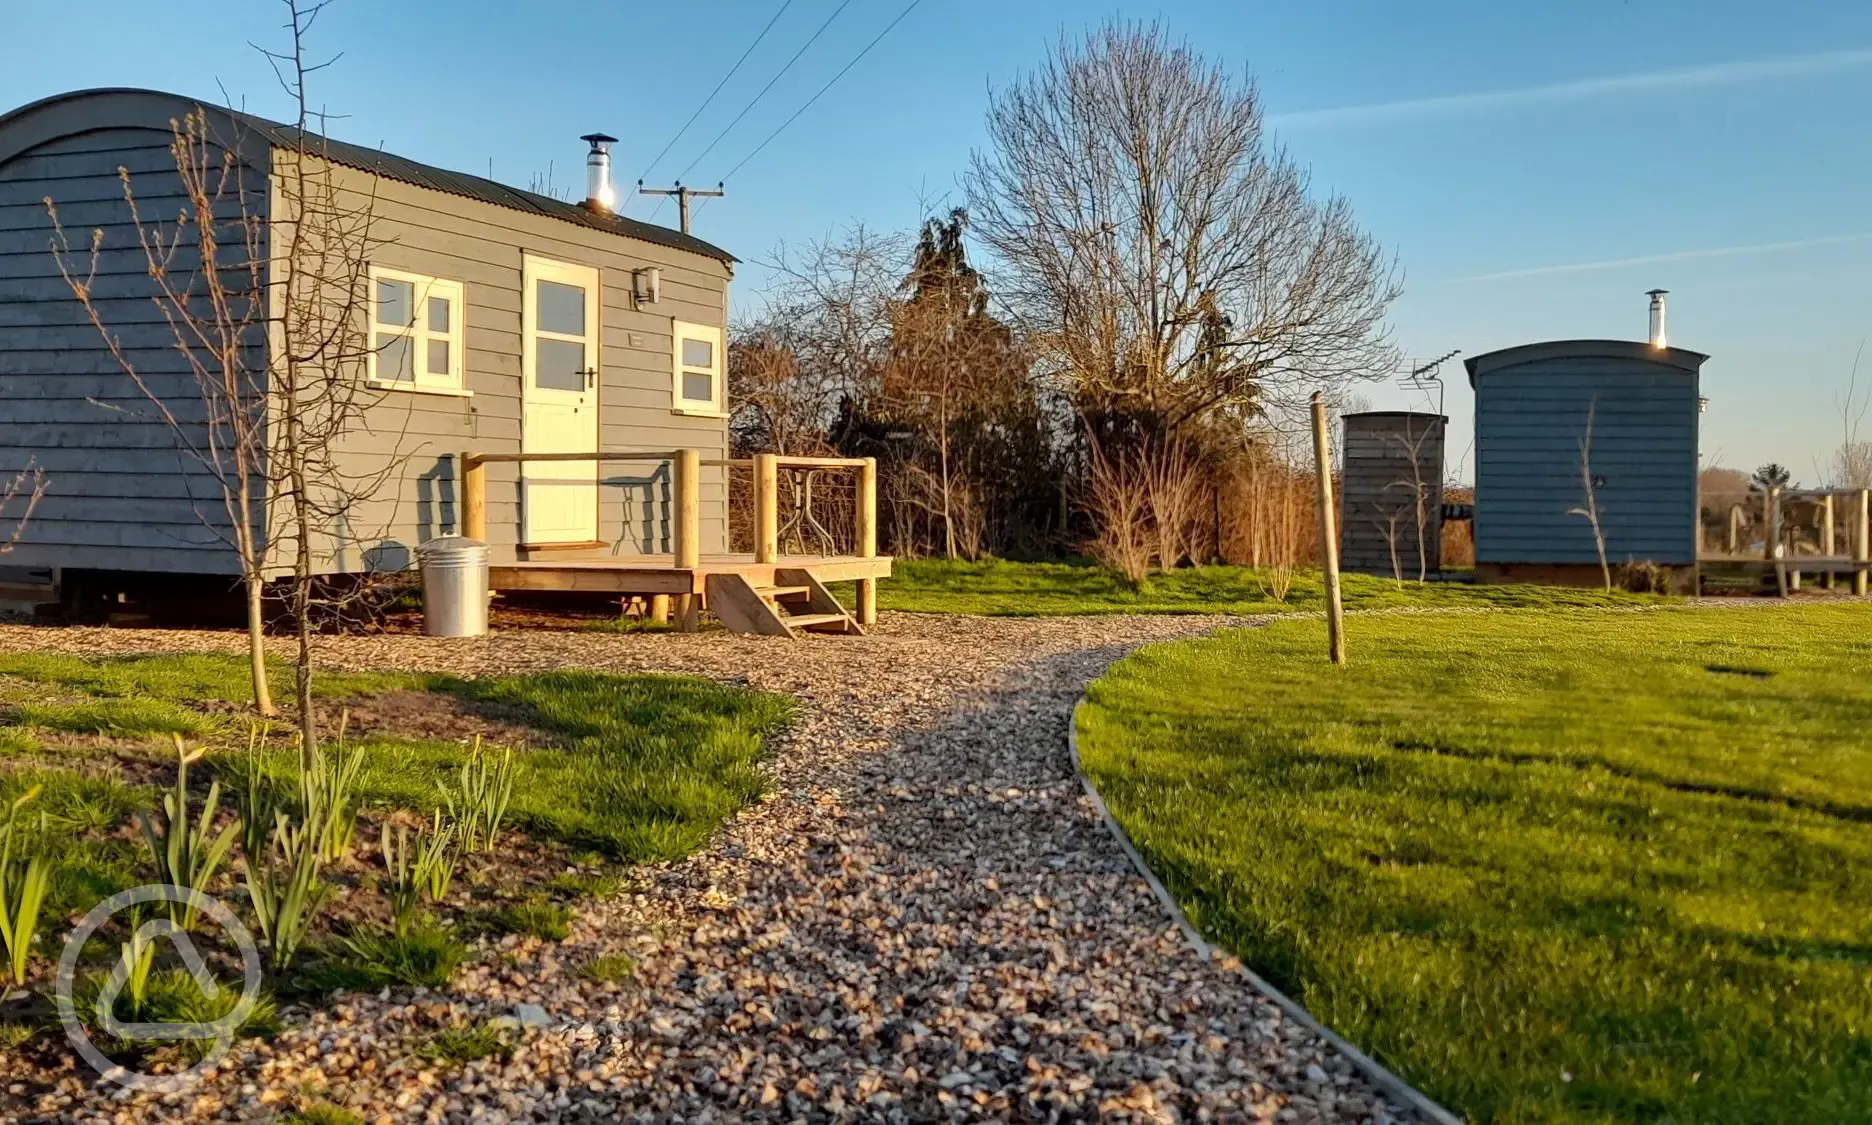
[
  {"x": 1677, "y": 256},
  {"x": 1681, "y": 78}
]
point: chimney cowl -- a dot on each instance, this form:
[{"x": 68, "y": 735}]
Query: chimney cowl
[
  {"x": 1658, "y": 335},
  {"x": 599, "y": 194}
]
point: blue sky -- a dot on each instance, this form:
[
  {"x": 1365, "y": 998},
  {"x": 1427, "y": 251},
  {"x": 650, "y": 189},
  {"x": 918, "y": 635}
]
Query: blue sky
[{"x": 1535, "y": 166}]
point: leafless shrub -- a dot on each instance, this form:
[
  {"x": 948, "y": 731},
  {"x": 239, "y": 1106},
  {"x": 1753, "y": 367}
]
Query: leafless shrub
[
  {"x": 1118, "y": 500},
  {"x": 1644, "y": 577}
]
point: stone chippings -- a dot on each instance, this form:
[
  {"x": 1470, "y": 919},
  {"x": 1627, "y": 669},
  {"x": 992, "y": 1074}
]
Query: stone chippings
[{"x": 924, "y": 921}]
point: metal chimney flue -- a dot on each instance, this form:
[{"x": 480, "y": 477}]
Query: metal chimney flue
[
  {"x": 599, "y": 194},
  {"x": 1657, "y": 317}
]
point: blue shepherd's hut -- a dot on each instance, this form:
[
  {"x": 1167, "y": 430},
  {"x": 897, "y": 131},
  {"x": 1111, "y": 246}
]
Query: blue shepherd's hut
[{"x": 1572, "y": 429}]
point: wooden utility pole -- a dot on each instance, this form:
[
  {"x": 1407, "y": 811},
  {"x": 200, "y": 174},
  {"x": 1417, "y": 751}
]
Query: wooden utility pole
[
  {"x": 1329, "y": 531},
  {"x": 683, "y": 196}
]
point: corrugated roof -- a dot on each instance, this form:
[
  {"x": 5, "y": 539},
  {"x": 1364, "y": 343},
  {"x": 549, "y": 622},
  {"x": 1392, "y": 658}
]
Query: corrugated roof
[
  {"x": 1577, "y": 349},
  {"x": 401, "y": 168},
  {"x": 392, "y": 166}
]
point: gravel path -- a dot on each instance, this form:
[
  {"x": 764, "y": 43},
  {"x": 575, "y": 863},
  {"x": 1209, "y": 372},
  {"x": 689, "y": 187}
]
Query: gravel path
[{"x": 925, "y": 922}]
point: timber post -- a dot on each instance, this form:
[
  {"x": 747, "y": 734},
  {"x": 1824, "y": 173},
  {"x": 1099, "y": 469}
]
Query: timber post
[
  {"x": 766, "y": 507},
  {"x": 1827, "y": 532},
  {"x": 1329, "y": 532},
  {"x": 686, "y": 539},
  {"x": 867, "y": 538},
  {"x": 1862, "y": 543},
  {"x": 473, "y": 522},
  {"x": 1774, "y": 541}
]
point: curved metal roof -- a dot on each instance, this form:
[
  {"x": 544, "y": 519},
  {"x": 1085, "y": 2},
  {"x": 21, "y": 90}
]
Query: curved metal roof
[
  {"x": 401, "y": 168},
  {"x": 1522, "y": 354}
]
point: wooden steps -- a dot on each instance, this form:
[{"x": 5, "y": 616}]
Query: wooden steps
[{"x": 795, "y": 602}]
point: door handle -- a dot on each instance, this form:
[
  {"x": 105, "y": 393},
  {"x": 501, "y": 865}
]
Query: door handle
[{"x": 591, "y": 378}]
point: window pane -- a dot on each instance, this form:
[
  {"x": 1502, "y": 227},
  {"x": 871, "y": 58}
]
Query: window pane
[
  {"x": 393, "y": 358},
  {"x": 698, "y": 353},
  {"x": 559, "y": 365},
  {"x": 438, "y": 314},
  {"x": 698, "y": 387},
  {"x": 438, "y": 357},
  {"x": 561, "y": 308},
  {"x": 396, "y": 302}
]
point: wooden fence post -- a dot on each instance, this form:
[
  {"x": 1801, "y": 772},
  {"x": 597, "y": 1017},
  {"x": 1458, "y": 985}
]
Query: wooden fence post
[
  {"x": 867, "y": 538},
  {"x": 687, "y": 536},
  {"x": 1329, "y": 532},
  {"x": 766, "y": 507},
  {"x": 473, "y": 522}
]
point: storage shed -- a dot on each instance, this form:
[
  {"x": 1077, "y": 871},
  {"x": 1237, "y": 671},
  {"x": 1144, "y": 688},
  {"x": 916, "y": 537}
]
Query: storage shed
[
  {"x": 503, "y": 321},
  {"x": 1568, "y": 426},
  {"x": 1391, "y": 523}
]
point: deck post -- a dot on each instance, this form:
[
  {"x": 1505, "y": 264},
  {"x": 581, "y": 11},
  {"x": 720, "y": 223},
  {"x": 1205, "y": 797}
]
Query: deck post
[
  {"x": 1827, "y": 530},
  {"x": 867, "y": 538},
  {"x": 473, "y": 522},
  {"x": 1862, "y": 543},
  {"x": 1774, "y": 541},
  {"x": 766, "y": 507},
  {"x": 687, "y": 536}
]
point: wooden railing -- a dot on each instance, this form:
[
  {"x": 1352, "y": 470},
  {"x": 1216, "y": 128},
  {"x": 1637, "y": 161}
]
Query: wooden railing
[
  {"x": 767, "y": 468},
  {"x": 1788, "y": 565},
  {"x": 686, "y": 487}
]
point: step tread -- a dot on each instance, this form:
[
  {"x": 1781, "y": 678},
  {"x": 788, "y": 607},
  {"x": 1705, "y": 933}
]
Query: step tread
[
  {"x": 782, "y": 591},
  {"x": 805, "y": 620}
]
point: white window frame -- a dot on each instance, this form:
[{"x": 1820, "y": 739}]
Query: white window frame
[
  {"x": 453, "y": 382},
  {"x": 715, "y": 405}
]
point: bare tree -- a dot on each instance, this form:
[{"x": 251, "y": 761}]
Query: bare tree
[
  {"x": 207, "y": 273},
  {"x": 1165, "y": 255},
  {"x": 1852, "y": 461},
  {"x": 319, "y": 304},
  {"x": 235, "y": 281},
  {"x": 1590, "y": 484}
]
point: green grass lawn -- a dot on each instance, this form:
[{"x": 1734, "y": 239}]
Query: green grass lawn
[
  {"x": 1550, "y": 866},
  {"x": 640, "y": 767},
  {"x": 1049, "y": 589}
]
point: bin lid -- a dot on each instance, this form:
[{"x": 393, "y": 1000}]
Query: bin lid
[{"x": 450, "y": 544}]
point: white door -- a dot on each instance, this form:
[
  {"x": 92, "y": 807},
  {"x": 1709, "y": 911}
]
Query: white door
[{"x": 559, "y": 414}]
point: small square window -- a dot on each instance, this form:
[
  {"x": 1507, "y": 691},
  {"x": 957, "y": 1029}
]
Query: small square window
[
  {"x": 416, "y": 332},
  {"x": 696, "y": 354}
]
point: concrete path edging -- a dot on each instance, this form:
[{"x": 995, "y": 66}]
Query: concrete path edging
[{"x": 1380, "y": 1076}]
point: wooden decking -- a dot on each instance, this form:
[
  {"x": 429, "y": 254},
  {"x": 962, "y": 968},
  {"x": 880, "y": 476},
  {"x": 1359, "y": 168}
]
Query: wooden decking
[{"x": 656, "y": 574}]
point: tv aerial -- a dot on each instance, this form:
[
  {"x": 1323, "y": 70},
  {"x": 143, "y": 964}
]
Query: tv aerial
[{"x": 1423, "y": 376}]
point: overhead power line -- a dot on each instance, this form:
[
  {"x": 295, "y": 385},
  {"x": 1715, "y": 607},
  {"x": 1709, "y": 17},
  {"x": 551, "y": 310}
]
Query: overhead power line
[
  {"x": 763, "y": 90},
  {"x": 710, "y": 100},
  {"x": 908, "y": 8}
]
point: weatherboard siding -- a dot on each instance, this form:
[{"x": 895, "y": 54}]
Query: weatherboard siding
[
  {"x": 122, "y": 492},
  {"x": 1530, "y": 420},
  {"x": 417, "y": 437}
]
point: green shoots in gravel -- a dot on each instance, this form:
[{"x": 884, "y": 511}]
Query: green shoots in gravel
[
  {"x": 611, "y": 968},
  {"x": 465, "y": 1042},
  {"x": 425, "y": 953},
  {"x": 547, "y": 921}
]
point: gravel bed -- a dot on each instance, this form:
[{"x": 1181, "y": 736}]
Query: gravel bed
[{"x": 925, "y": 921}]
